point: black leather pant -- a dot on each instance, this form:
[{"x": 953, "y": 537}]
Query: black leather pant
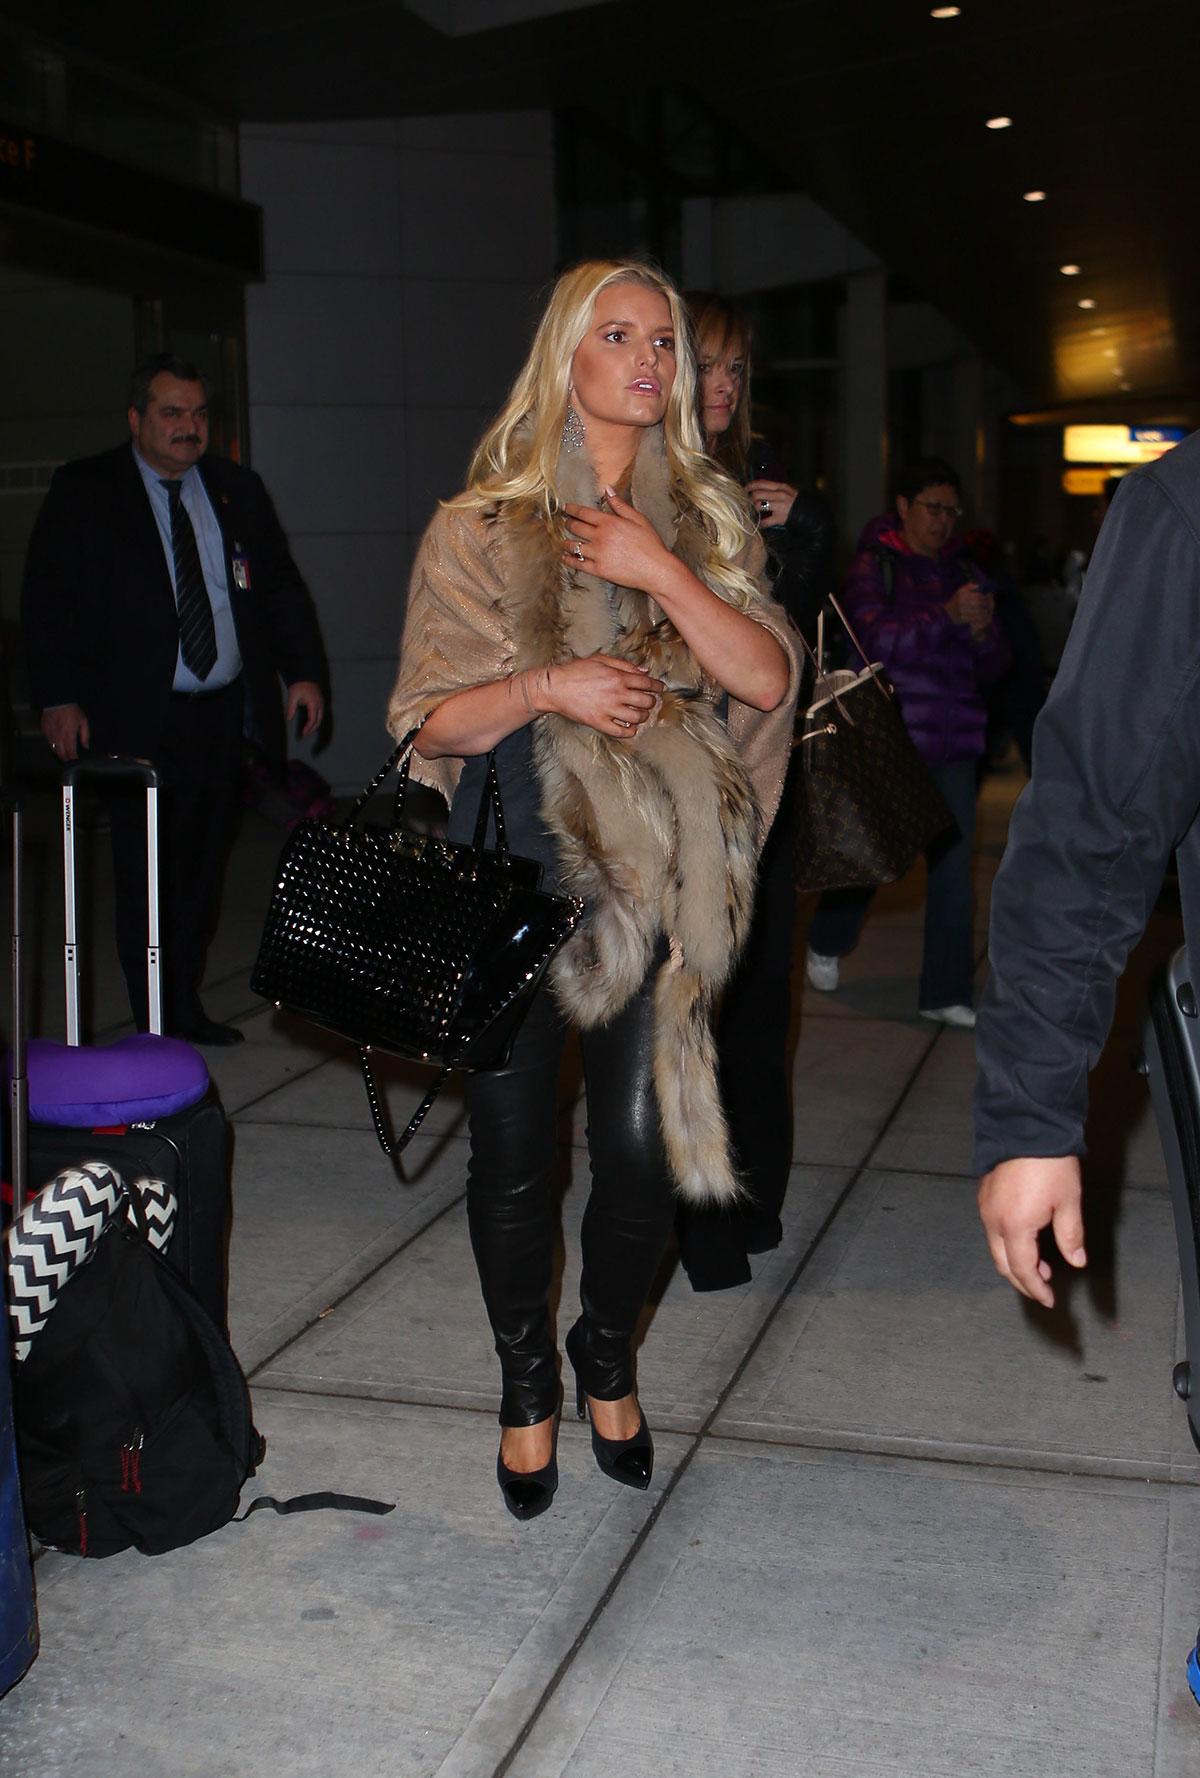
[{"x": 514, "y": 1149}]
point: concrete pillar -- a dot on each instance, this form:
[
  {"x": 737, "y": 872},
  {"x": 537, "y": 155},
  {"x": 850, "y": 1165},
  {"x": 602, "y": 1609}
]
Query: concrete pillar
[
  {"x": 864, "y": 455},
  {"x": 405, "y": 262}
]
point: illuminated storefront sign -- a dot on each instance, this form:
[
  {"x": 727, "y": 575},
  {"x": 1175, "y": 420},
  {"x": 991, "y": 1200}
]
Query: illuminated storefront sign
[{"x": 1119, "y": 444}]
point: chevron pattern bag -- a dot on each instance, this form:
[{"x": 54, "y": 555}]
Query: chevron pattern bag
[
  {"x": 58, "y": 1230},
  {"x": 131, "y": 1411}
]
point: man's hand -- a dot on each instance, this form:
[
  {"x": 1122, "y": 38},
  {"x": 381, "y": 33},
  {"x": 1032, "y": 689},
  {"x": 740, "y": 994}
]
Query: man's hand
[
  {"x": 1017, "y": 1200},
  {"x": 65, "y": 727},
  {"x": 305, "y": 693}
]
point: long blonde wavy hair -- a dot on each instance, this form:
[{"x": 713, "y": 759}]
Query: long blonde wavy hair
[{"x": 517, "y": 457}]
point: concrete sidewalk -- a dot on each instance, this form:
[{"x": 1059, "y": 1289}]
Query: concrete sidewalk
[{"x": 901, "y": 1523}]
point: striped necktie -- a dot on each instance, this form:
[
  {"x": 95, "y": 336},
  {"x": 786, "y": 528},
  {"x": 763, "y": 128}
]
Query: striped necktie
[{"x": 197, "y": 631}]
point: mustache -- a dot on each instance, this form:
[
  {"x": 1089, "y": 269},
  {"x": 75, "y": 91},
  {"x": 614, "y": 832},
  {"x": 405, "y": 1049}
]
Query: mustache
[{"x": 186, "y": 438}]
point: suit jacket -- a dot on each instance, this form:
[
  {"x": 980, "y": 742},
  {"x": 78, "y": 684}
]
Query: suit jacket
[{"x": 98, "y": 613}]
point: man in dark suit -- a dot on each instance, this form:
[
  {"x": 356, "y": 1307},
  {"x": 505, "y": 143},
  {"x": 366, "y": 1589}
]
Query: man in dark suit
[{"x": 160, "y": 608}]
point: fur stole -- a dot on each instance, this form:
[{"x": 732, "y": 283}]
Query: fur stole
[{"x": 657, "y": 834}]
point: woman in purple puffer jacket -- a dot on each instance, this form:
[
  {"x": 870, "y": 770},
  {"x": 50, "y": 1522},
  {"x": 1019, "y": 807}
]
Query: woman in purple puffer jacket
[{"x": 921, "y": 607}]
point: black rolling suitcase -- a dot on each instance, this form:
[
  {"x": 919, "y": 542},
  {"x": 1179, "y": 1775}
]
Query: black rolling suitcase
[
  {"x": 143, "y": 1105},
  {"x": 1171, "y": 1062}
]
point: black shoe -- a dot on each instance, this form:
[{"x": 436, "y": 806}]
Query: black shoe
[
  {"x": 626, "y": 1460},
  {"x": 527, "y": 1495},
  {"x": 201, "y": 1029}
]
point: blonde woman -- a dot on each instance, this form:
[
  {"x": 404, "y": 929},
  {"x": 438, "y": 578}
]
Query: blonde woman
[{"x": 591, "y": 607}]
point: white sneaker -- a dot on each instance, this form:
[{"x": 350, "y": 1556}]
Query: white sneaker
[
  {"x": 823, "y": 972},
  {"x": 961, "y": 1016}
]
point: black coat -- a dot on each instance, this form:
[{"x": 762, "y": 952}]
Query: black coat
[
  {"x": 1115, "y": 786},
  {"x": 804, "y": 548},
  {"x": 98, "y": 614}
]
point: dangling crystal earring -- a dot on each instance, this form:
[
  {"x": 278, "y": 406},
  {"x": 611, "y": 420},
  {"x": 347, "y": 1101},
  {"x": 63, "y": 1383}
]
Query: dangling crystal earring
[{"x": 574, "y": 432}]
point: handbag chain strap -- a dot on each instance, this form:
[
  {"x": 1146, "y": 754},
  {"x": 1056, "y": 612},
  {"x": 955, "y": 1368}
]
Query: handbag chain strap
[{"x": 394, "y": 1145}]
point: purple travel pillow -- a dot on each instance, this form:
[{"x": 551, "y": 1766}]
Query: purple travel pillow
[{"x": 134, "y": 1080}]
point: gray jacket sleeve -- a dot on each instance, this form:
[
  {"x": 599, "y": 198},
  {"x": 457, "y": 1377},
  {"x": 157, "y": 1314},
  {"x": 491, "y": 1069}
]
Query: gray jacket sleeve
[{"x": 1116, "y": 785}]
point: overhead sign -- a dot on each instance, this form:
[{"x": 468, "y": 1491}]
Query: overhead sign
[{"x": 1119, "y": 444}]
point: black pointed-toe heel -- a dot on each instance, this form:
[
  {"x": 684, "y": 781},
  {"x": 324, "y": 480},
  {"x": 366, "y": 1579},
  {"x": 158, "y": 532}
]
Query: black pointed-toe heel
[
  {"x": 526, "y": 1496},
  {"x": 626, "y": 1460}
]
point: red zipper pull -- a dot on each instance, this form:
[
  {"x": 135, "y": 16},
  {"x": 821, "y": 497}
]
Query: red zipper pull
[{"x": 131, "y": 1461}]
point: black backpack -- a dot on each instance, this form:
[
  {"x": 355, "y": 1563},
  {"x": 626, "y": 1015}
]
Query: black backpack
[{"x": 132, "y": 1412}]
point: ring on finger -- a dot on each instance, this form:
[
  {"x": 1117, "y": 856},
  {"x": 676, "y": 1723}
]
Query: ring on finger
[{"x": 577, "y": 552}]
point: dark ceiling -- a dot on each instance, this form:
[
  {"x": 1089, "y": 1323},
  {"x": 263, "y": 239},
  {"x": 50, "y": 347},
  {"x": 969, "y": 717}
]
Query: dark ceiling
[{"x": 873, "y": 107}]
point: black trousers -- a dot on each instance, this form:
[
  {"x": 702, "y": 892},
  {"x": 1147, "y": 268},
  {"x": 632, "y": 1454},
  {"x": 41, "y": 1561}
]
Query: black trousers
[
  {"x": 514, "y": 1148},
  {"x": 199, "y": 763},
  {"x": 752, "y": 1045}
]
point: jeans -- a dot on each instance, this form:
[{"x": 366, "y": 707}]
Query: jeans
[{"x": 949, "y": 960}]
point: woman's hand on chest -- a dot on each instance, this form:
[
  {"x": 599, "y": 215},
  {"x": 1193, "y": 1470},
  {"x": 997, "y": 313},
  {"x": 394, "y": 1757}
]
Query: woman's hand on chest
[
  {"x": 620, "y": 545},
  {"x": 612, "y": 696}
]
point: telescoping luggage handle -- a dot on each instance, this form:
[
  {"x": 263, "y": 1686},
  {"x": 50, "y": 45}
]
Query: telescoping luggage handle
[
  {"x": 110, "y": 770},
  {"x": 18, "y": 1086}
]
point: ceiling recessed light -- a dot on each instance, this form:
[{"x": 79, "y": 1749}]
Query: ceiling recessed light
[
  {"x": 945, "y": 12},
  {"x": 1069, "y": 271},
  {"x": 1096, "y": 330},
  {"x": 1087, "y": 302},
  {"x": 1033, "y": 197},
  {"x": 999, "y": 123}
]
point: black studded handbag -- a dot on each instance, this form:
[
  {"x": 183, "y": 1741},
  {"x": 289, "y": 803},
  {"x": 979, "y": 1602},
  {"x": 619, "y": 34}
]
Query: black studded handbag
[
  {"x": 404, "y": 942},
  {"x": 867, "y": 803}
]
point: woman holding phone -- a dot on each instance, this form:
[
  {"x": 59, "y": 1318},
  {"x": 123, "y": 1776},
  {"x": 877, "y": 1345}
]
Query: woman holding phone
[{"x": 755, "y": 1022}]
